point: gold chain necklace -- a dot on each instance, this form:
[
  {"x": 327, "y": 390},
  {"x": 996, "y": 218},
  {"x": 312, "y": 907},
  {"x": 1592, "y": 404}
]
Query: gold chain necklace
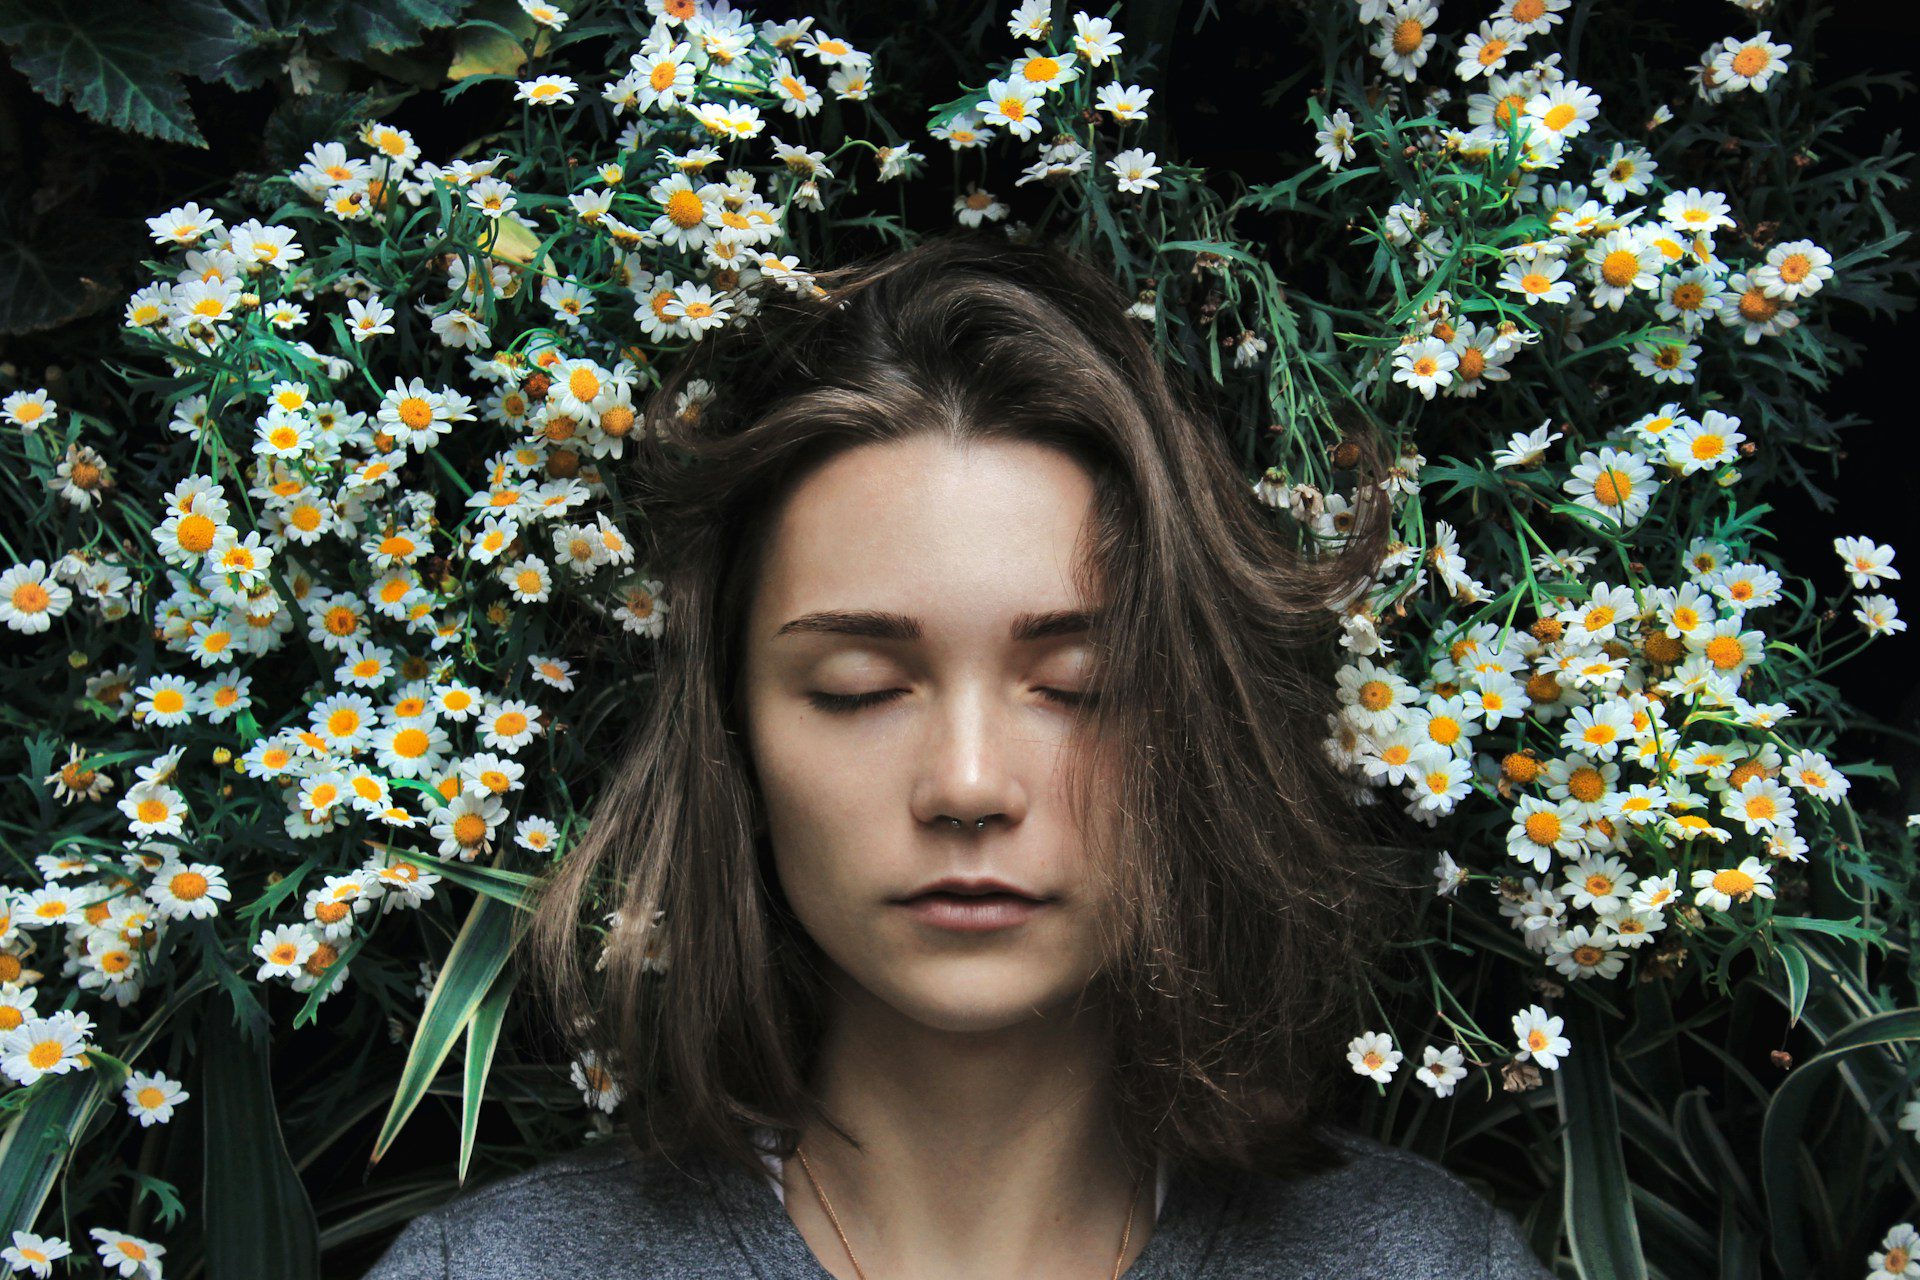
[{"x": 831, "y": 1217}]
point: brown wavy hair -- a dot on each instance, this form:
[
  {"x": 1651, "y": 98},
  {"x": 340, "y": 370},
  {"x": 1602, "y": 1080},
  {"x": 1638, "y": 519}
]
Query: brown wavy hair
[{"x": 1246, "y": 904}]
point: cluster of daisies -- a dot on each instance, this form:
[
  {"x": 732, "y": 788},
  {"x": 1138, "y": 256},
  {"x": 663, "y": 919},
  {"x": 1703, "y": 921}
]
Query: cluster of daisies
[
  {"x": 306, "y": 540},
  {"x": 1614, "y": 236},
  {"x": 1042, "y": 97},
  {"x": 1617, "y": 733},
  {"x": 1624, "y": 726}
]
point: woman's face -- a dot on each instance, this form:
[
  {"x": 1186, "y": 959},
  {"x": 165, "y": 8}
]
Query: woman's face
[{"x": 956, "y": 547}]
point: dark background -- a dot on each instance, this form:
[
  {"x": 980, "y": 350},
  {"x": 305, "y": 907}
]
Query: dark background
[{"x": 97, "y": 187}]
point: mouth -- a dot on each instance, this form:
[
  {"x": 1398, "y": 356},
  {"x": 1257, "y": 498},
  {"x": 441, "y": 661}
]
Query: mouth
[
  {"x": 973, "y": 890},
  {"x": 973, "y": 912}
]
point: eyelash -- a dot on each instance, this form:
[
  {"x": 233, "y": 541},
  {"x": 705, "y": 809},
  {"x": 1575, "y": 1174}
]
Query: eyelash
[{"x": 844, "y": 703}]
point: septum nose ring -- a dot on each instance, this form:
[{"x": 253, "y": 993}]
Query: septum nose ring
[{"x": 977, "y": 822}]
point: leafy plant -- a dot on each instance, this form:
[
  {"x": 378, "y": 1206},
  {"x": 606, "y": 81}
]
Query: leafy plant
[{"x": 302, "y": 707}]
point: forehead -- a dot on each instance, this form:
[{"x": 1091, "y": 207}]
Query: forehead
[{"x": 962, "y": 536}]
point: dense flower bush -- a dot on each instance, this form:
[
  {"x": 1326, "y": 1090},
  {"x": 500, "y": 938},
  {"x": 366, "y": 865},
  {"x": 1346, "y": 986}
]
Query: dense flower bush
[{"x": 307, "y": 696}]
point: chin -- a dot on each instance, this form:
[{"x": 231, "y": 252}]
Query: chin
[{"x": 974, "y": 996}]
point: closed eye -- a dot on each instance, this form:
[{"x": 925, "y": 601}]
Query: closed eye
[{"x": 841, "y": 703}]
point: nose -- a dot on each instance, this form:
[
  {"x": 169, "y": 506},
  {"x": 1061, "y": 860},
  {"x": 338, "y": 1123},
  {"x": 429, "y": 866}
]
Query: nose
[{"x": 970, "y": 763}]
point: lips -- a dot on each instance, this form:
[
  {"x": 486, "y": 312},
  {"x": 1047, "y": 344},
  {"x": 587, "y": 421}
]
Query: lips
[
  {"x": 960, "y": 888},
  {"x": 973, "y": 913}
]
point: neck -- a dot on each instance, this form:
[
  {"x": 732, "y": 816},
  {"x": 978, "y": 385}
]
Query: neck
[{"x": 983, "y": 1153}]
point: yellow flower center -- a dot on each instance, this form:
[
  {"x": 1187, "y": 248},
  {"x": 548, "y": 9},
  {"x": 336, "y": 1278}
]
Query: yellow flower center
[
  {"x": 1733, "y": 882},
  {"x": 1688, "y": 296},
  {"x": 195, "y": 533},
  {"x": 1407, "y": 36},
  {"x": 1750, "y": 61},
  {"x": 1041, "y": 70},
  {"x": 415, "y": 412},
  {"x": 1620, "y": 267},
  {"x": 1543, "y": 827},
  {"x": 188, "y": 885},
  {"x": 1725, "y": 652},
  {"x": 684, "y": 208},
  {"x": 1586, "y": 785},
  {"x": 1559, "y": 116},
  {"x": 45, "y": 1054},
  {"x": 1535, "y": 282},
  {"x": 1756, "y": 306},
  {"x": 1612, "y": 488}
]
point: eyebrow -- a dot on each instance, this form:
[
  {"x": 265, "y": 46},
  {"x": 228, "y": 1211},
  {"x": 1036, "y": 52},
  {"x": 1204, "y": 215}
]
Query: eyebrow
[{"x": 875, "y": 624}]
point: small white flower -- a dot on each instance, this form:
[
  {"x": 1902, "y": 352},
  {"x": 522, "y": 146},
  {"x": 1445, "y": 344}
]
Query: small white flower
[
  {"x": 1334, "y": 140},
  {"x": 34, "y": 1254},
  {"x": 1372, "y": 1054},
  {"x": 1441, "y": 1069},
  {"x": 1539, "y": 1036},
  {"x": 545, "y": 90},
  {"x": 368, "y": 319},
  {"x": 151, "y": 1097},
  {"x": 1135, "y": 170},
  {"x": 1867, "y": 562}
]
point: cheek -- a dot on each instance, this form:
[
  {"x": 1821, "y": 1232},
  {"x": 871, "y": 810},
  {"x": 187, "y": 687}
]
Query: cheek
[{"x": 824, "y": 811}]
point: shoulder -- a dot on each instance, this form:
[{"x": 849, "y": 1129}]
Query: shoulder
[
  {"x": 586, "y": 1212},
  {"x": 1384, "y": 1212}
]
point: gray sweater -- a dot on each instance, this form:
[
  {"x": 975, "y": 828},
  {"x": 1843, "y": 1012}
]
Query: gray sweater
[{"x": 607, "y": 1212}]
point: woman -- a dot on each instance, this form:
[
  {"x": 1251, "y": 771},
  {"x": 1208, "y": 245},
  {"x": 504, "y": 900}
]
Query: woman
[{"x": 986, "y": 904}]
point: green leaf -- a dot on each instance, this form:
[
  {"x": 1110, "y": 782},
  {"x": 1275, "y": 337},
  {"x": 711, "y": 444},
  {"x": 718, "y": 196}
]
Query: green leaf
[
  {"x": 479, "y": 953},
  {"x": 36, "y": 1143},
  {"x": 56, "y": 264},
  {"x": 113, "y": 61},
  {"x": 1781, "y": 1130},
  {"x": 1837, "y": 928},
  {"x": 259, "y": 1221},
  {"x": 497, "y": 45},
  {"x": 510, "y": 887},
  {"x": 242, "y": 50},
  {"x": 364, "y": 27},
  {"x": 1602, "y": 1233},
  {"x": 171, "y": 1209},
  {"x": 483, "y": 1036},
  {"x": 397, "y": 1203},
  {"x": 57, "y": 1110},
  {"x": 1794, "y": 961}
]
